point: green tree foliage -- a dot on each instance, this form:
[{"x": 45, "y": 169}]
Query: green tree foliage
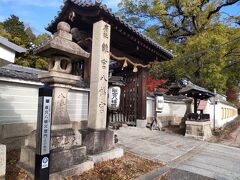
[
  {"x": 41, "y": 38},
  {"x": 31, "y": 36},
  {"x": 206, "y": 50},
  {"x": 15, "y": 31}
]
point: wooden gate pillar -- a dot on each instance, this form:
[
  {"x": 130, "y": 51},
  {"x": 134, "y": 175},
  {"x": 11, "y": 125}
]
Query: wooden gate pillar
[{"x": 142, "y": 98}]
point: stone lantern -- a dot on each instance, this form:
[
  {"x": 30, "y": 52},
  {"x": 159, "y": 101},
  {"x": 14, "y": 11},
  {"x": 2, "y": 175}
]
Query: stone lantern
[
  {"x": 68, "y": 156},
  {"x": 62, "y": 52}
]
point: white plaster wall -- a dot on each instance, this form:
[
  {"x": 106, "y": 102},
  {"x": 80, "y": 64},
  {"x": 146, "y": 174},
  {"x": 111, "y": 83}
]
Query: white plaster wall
[
  {"x": 6, "y": 55},
  {"x": 150, "y": 107},
  {"x": 19, "y": 102},
  {"x": 170, "y": 108},
  {"x": 178, "y": 109},
  {"x": 78, "y": 105},
  {"x": 219, "y": 121}
]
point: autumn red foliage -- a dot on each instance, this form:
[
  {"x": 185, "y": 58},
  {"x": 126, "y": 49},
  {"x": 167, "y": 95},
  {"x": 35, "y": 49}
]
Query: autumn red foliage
[{"x": 152, "y": 83}]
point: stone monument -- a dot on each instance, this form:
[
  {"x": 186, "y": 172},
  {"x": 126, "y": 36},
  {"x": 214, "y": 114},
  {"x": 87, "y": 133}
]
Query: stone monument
[
  {"x": 68, "y": 156},
  {"x": 98, "y": 138}
]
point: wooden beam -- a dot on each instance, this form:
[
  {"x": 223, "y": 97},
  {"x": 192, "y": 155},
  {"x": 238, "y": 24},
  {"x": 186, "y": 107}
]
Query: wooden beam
[{"x": 87, "y": 70}]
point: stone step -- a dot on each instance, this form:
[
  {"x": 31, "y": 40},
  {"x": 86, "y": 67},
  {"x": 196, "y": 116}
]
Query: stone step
[{"x": 60, "y": 158}]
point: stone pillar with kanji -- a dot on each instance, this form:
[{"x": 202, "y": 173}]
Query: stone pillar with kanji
[{"x": 97, "y": 137}]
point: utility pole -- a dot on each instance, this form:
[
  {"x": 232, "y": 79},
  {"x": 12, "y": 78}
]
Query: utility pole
[{"x": 214, "y": 108}]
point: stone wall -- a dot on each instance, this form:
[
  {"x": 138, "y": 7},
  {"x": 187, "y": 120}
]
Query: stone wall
[{"x": 13, "y": 135}]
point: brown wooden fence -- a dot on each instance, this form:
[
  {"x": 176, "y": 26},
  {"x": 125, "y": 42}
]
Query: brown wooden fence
[{"x": 127, "y": 112}]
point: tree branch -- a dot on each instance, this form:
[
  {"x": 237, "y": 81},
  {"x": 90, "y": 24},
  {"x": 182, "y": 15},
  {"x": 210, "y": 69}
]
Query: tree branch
[
  {"x": 228, "y": 3},
  {"x": 231, "y": 65}
]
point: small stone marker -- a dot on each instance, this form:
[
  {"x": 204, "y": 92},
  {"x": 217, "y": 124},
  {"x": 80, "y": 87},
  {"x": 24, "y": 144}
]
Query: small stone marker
[
  {"x": 2, "y": 160},
  {"x": 99, "y": 75}
]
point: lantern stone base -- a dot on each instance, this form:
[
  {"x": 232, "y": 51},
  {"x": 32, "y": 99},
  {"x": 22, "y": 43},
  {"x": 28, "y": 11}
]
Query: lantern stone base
[
  {"x": 67, "y": 153},
  {"x": 74, "y": 170},
  {"x": 198, "y": 130},
  {"x": 97, "y": 141},
  {"x": 106, "y": 156}
]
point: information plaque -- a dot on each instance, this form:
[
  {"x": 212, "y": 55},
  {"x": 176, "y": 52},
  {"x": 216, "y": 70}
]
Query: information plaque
[{"x": 43, "y": 136}]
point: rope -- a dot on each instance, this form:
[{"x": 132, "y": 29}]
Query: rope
[{"x": 128, "y": 61}]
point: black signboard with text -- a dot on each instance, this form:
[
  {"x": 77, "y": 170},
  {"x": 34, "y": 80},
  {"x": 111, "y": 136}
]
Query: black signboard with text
[{"x": 42, "y": 160}]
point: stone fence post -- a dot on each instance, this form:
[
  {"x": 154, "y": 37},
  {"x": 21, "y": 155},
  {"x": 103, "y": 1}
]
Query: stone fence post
[{"x": 2, "y": 161}]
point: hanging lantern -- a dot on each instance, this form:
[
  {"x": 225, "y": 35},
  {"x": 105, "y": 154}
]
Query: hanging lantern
[
  {"x": 135, "y": 69},
  {"x": 114, "y": 93}
]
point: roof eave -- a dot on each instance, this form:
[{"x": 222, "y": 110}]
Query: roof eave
[
  {"x": 52, "y": 26},
  {"x": 11, "y": 45}
]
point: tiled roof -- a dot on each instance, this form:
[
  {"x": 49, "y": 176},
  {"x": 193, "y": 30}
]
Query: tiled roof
[
  {"x": 28, "y": 74},
  {"x": 11, "y": 45},
  {"x": 169, "y": 98},
  {"x": 193, "y": 87},
  {"x": 89, "y": 4},
  {"x": 20, "y": 72}
]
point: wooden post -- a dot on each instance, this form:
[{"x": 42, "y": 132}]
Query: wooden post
[
  {"x": 195, "y": 104},
  {"x": 141, "y": 112},
  {"x": 87, "y": 71}
]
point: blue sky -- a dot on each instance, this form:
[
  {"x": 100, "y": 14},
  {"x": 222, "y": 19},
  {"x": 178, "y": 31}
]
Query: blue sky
[{"x": 38, "y": 13}]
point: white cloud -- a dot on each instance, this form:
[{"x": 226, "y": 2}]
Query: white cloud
[
  {"x": 38, "y": 3},
  {"x": 54, "y": 3},
  {"x": 2, "y": 18}
]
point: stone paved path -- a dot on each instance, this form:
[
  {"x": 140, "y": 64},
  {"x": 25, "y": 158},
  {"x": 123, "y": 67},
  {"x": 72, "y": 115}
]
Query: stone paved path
[
  {"x": 189, "y": 156},
  {"x": 234, "y": 139}
]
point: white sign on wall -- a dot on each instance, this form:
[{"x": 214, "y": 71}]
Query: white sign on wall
[{"x": 159, "y": 103}]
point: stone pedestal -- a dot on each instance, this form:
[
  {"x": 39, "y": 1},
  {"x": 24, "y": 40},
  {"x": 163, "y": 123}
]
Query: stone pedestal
[
  {"x": 188, "y": 103},
  {"x": 66, "y": 153},
  {"x": 106, "y": 156},
  {"x": 198, "y": 130},
  {"x": 2, "y": 161},
  {"x": 98, "y": 141}
]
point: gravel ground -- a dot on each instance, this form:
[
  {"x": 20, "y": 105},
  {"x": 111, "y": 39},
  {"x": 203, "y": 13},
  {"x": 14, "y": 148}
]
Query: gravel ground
[{"x": 128, "y": 167}]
